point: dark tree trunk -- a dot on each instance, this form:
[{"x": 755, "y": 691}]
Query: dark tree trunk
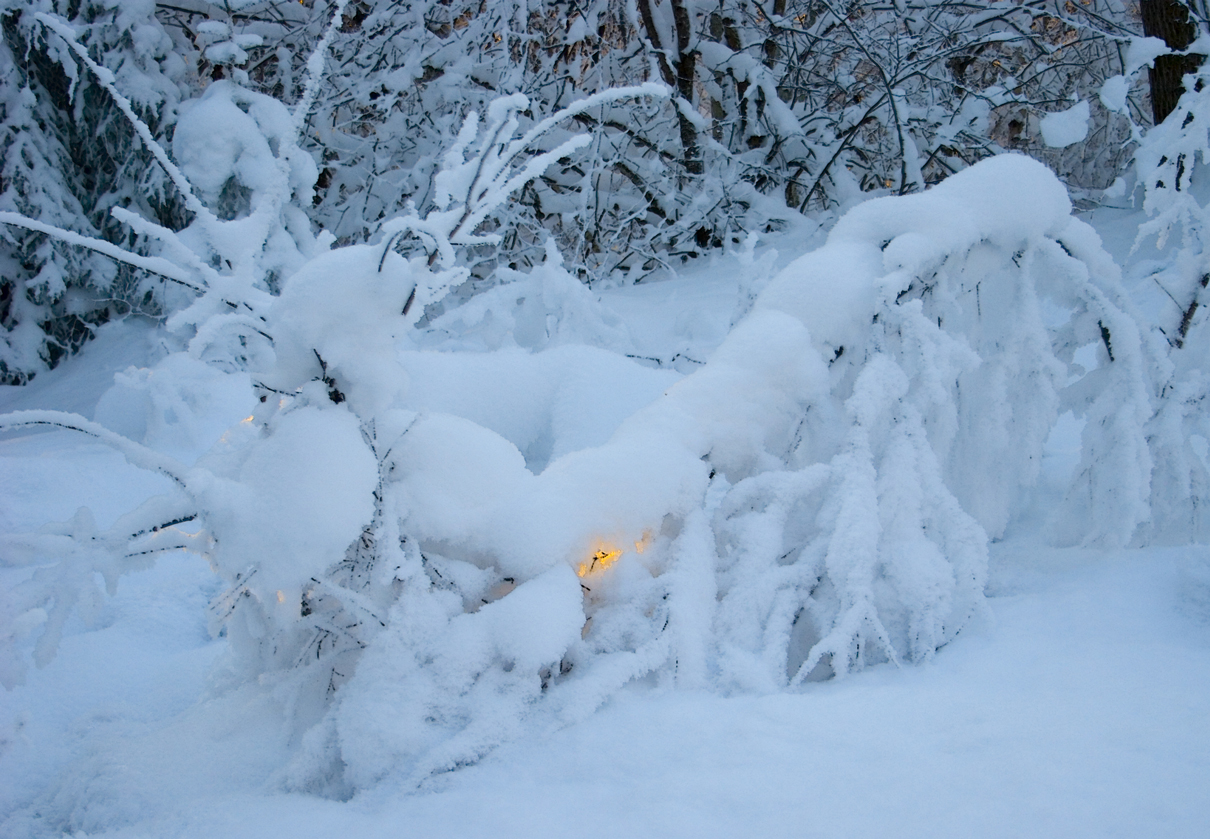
[
  {"x": 681, "y": 78},
  {"x": 1169, "y": 20},
  {"x": 686, "y": 72}
]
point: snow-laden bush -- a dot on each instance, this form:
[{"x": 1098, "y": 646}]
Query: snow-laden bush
[
  {"x": 816, "y": 498},
  {"x": 281, "y": 496},
  {"x": 1170, "y": 254},
  {"x": 801, "y": 506}
]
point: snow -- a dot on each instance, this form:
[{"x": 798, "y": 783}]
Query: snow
[
  {"x": 1006, "y": 733},
  {"x": 226, "y": 134},
  {"x": 897, "y": 529},
  {"x": 1113, "y": 93},
  {"x": 1142, "y": 52},
  {"x": 179, "y": 406},
  {"x": 1061, "y": 129},
  {"x": 352, "y": 332},
  {"x": 504, "y": 688},
  {"x": 547, "y": 403},
  {"x": 290, "y": 514}
]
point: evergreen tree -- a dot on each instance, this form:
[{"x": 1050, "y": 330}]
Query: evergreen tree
[{"x": 68, "y": 157}]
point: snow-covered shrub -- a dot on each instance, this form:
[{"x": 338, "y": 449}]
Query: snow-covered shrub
[
  {"x": 805, "y": 504},
  {"x": 1170, "y": 171},
  {"x": 418, "y": 589},
  {"x": 802, "y": 505},
  {"x": 295, "y": 506}
]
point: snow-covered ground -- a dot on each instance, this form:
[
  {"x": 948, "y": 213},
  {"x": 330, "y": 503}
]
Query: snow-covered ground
[{"x": 1079, "y": 706}]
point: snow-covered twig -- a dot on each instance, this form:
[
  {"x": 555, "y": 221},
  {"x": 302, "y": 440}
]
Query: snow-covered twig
[
  {"x": 315, "y": 70},
  {"x": 170, "y": 240},
  {"x": 487, "y": 179}
]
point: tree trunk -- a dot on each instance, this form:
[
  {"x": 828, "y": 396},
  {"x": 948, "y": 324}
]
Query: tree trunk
[
  {"x": 686, "y": 70},
  {"x": 1169, "y": 20},
  {"x": 681, "y": 79}
]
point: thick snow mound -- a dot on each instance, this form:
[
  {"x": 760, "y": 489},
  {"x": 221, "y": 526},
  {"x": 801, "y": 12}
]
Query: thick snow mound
[
  {"x": 1006, "y": 200},
  {"x": 341, "y": 316},
  {"x": 303, "y": 494},
  {"x": 229, "y": 138},
  {"x": 547, "y": 403}
]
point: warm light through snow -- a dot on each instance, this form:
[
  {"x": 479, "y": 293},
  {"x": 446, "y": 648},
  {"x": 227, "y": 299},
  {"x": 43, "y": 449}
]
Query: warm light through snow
[
  {"x": 602, "y": 558},
  {"x": 606, "y": 554}
]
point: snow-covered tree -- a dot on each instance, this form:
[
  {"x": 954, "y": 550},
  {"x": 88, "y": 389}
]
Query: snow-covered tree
[
  {"x": 776, "y": 109},
  {"x": 69, "y": 156}
]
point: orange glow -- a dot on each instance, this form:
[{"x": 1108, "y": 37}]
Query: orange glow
[{"x": 603, "y": 557}]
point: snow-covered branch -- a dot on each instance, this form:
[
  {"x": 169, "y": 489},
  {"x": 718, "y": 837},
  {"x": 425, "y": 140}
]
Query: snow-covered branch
[
  {"x": 135, "y": 454},
  {"x": 106, "y": 78},
  {"x": 154, "y": 264}
]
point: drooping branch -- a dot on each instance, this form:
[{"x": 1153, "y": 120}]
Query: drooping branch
[
  {"x": 135, "y": 454},
  {"x": 154, "y": 264}
]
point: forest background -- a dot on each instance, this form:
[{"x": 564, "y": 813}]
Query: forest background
[{"x": 777, "y": 109}]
